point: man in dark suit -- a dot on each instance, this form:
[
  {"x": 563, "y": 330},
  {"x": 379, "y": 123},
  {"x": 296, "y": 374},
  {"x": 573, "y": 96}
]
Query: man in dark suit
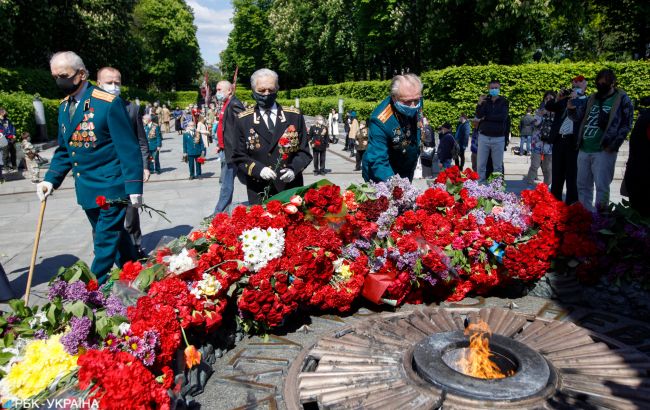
[
  {"x": 226, "y": 138},
  {"x": 97, "y": 143},
  {"x": 109, "y": 79},
  {"x": 272, "y": 143},
  {"x": 319, "y": 142}
]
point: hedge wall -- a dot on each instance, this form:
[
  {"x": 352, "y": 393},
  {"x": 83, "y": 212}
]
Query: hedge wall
[
  {"x": 20, "y": 110},
  {"x": 452, "y": 90}
]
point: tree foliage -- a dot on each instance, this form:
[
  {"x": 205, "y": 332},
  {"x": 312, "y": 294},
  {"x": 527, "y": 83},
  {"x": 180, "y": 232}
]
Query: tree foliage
[
  {"x": 105, "y": 33},
  {"x": 342, "y": 40}
]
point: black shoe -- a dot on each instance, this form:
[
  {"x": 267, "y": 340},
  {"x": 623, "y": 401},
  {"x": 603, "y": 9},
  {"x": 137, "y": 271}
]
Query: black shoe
[
  {"x": 357, "y": 169},
  {"x": 316, "y": 172},
  {"x": 190, "y": 178},
  {"x": 345, "y": 149}
]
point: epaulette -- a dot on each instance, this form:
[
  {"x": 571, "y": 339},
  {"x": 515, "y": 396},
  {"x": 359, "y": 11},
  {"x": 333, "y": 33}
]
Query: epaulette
[
  {"x": 246, "y": 112},
  {"x": 102, "y": 95},
  {"x": 385, "y": 114},
  {"x": 65, "y": 99},
  {"x": 293, "y": 110}
]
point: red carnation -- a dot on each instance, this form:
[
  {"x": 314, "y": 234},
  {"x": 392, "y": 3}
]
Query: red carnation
[
  {"x": 102, "y": 202},
  {"x": 200, "y": 160}
]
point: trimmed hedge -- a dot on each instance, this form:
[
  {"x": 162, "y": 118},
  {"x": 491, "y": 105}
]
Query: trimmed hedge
[
  {"x": 28, "y": 80},
  {"x": 20, "y": 109},
  {"x": 453, "y": 90}
]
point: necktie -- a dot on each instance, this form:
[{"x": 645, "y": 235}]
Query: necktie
[
  {"x": 72, "y": 105},
  {"x": 270, "y": 122}
]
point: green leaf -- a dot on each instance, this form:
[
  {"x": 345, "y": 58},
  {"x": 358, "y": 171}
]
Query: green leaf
[
  {"x": 51, "y": 313},
  {"x": 103, "y": 326},
  {"x": 77, "y": 308},
  {"x": 18, "y": 306}
]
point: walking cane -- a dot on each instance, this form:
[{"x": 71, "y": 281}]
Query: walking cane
[{"x": 35, "y": 251}]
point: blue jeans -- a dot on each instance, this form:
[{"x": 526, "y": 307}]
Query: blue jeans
[
  {"x": 597, "y": 169},
  {"x": 524, "y": 140},
  {"x": 489, "y": 146},
  {"x": 228, "y": 173}
]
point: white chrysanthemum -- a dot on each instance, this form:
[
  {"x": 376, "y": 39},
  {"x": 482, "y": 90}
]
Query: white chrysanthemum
[
  {"x": 261, "y": 245},
  {"x": 38, "y": 319},
  {"x": 180, "y": 263},
  {"x": 208, "y": 286},
  {"x": 123, "y": 328}
]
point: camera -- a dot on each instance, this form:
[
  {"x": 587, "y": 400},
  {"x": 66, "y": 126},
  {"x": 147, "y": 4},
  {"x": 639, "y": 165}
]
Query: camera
[{"x": 565, "y": 92}]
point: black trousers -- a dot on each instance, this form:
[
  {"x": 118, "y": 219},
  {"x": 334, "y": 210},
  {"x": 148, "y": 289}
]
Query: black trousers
[
  {"x": 460, "y": 160},
  {"x": 565, "y": 168},
  {"x": 132, "y": 225},
  {"x": 359, "y": 158},
  {"x": 11, "y": 153},
  {"x": 319, "y": 160}
]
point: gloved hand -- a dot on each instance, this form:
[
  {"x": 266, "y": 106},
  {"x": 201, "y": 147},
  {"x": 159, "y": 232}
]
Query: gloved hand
[
  {"x": 428, "y": 150},
  {"x": 136, "y": 200},
  {"x": 287, "y": 175},
  {"x": 44, "y": 189},
  {"x": 268, "y": 174}
]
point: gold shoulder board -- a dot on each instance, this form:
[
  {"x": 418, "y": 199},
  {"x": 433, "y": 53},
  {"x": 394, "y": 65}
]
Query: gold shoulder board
[
  {"x": 293, "y": 110},
  {"x": 386, "y": 114},
  {"x": 102, "y": 95},
  {"x": 246, "y": 112}
]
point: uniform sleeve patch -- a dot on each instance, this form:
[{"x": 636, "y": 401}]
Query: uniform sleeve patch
[
  {"x": 293, "y": 110},
  {"x": 102, "y": 95},
  {"x": 246, "y": 112},
  {"x": 385, "y": 114}
]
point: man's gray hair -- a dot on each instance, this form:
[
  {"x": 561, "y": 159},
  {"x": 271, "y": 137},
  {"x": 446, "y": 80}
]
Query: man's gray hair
[
  {"x": 396, "y": 83},
  {"x": 226, "y": 82},
  {"x": 264, "y": 72},
  {"x": 70, "y": 59}
]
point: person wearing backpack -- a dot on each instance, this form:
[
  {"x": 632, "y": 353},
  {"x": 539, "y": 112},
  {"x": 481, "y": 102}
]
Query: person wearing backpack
[
  {"x": 448, "y": 147},
  {"x": 541, "y": 149}
]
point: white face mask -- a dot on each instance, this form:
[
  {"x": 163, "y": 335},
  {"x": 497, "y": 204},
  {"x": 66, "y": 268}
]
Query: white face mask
[{"x": 112, "y": 89}]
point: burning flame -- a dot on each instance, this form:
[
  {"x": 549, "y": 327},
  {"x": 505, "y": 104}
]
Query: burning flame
[{"x": 476, "y": 362}]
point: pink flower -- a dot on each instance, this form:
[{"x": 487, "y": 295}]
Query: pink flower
[
  {"x": 497, "y": 210},
  {"x": 290, "y": 209},
  {"x": 296, "y": 200}
]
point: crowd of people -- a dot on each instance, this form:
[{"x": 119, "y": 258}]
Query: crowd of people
[{"x": 111, "y": 146}]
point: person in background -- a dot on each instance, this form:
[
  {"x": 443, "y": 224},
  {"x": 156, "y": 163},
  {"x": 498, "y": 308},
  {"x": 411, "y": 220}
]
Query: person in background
[
  {"x": 187, "y": 118},
  {"x": 361, "y": 145},
  {"x": 154, "y": 139},
  {"x": 178, "y": 117},
  {"x": 494, "y": 129},
  {"x": 319, "y": 141},
  {"x": 165, "y": 118},
  {"x": 333, "y": 124},
  {"x": 9, "y": 131},
  {"x": 394, "y": 135},
  {"x": 193, "y": 150},
  {"x": 203, "y": 131},
  {"x": 346, "y": 128},
  {"x": 474, "y": 144},
  {"x": 541, "y": 148},
  {"x": 446, "y": 146},
  {"x": 31, "y": 163},
  {"x": 428, "y": 149},
  {"x": 462, "y": 138},
  {"x": 605, "y": 121},
  {"x": 352, "y": 132},
  {"x": 526, "y": 128}
]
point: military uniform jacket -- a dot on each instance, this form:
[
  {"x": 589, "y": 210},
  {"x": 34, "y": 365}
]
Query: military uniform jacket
[
  {"x": 190, "y": 147},
  {"x": 393, "y": 146},
  {"x": 318, "y": 137},
  {"x": 154, "y": 137},
  {"x": 99, "y": 147},
  {"x": 257, "y": 148}
]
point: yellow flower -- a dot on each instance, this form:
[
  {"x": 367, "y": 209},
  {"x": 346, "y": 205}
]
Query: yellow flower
[
  {"x": 345, "y": 272},
  {"x": 43, "y": 362}
]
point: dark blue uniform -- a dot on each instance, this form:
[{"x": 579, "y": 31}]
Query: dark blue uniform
[
  {"x": 393, "y": 146},
  {"x": 154, "y": 138},
  {"x": 100, "y": 149},
  {"x": 193, "y": 150}
]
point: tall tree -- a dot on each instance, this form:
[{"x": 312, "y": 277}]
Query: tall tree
[{"x": 166, "y": 33}]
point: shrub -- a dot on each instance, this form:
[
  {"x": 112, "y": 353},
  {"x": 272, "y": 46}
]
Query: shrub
[
  {"x": 28, "y": 80},
  {"x": 20, "y": 109}
]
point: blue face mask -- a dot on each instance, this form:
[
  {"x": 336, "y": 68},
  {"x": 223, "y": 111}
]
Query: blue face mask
[
  {"x": 578, "y": 91},
  {"x": 220, "y": 96},
  {"x": 407, "y": 110},
  {"x": 494, "y": 92}
]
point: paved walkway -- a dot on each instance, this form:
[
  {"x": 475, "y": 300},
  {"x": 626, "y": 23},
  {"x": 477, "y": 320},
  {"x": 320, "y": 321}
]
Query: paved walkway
[{"x": 66, "y": 235}]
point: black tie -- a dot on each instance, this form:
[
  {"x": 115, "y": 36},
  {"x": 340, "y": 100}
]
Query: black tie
[
  {"x": 270, "y": 122},
  {"x": 72, "y": 105}
]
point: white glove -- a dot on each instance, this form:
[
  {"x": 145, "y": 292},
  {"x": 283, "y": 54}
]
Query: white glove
[
  {"x": 44, "y": 189},
  {"x": 428, "y": 150},
  {"x": 287, "y": 175},
  {"x": 136, "y": 200},
  {"x": 267, "y": 174}
]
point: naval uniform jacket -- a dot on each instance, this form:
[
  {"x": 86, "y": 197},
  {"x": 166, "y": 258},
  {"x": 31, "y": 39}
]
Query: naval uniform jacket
[
  {"x": 100, "y": 148},
  {"x": 257, "y": 148},
  {"x": 318, "y": 137}
]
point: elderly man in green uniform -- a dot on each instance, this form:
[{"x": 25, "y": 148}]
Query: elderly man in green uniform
[
  {"x": 272, "y": 145},
  {"x": 97, "y": 143},
  {"x": 154, "y": 138},
  {"x": 394, "y": 134}
]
